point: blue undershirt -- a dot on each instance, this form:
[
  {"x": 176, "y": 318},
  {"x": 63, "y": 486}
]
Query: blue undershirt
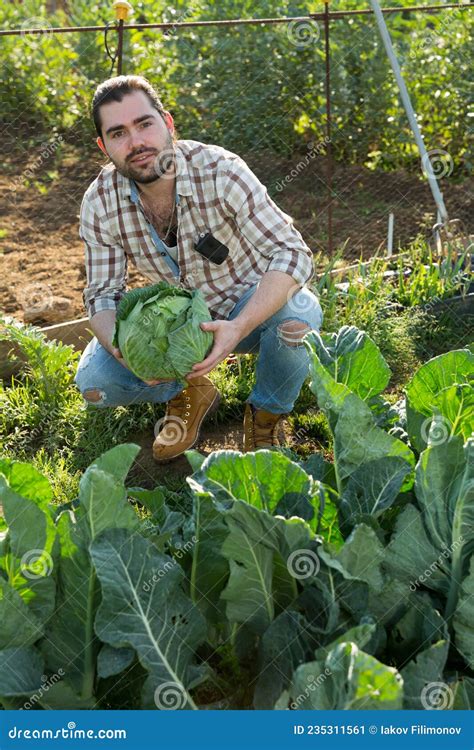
[{"x": 170, "y": 254}]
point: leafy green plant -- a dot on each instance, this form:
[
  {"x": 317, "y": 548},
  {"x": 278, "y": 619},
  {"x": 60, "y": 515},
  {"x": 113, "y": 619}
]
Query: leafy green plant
[
  {"x": 370, "y": 465},
  {"x": 371, "y": 292},
  {"x": 348, "y": 679},
  {"x": 41, "y": 407},
  {"x": 50, "y": 77},
  {"x": 48, "y": 365},
  {"x": 56, "y": 571},
  {"x": 442, "y": 386},
  {"x": 421, "y": 277},
  {"x": 437, "y": 536},
  {"x": 255, "y": 571}
]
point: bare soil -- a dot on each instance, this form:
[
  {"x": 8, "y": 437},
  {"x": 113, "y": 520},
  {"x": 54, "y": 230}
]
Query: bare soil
[
  {"x": 41, "y": 253},
  {"x": 213, "y": 436}
]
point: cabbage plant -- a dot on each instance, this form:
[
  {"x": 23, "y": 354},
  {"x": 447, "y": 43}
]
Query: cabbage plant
[{"x": 158, "y": 331}]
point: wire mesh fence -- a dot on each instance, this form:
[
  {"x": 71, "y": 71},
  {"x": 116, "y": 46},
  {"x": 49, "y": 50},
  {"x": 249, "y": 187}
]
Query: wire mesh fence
[{"x": 261, "y": 87}]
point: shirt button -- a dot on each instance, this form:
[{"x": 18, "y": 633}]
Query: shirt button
[{"x": 163, "y": 253}]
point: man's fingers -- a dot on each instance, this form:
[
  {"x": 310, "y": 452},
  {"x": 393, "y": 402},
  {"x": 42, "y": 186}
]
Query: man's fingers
[
  {"x": 204, "y": 367},
  {"x": 208, "y": 363},
  {"x": 199, "y": 374},
  {"x": 202, "y": 370},
  {"x": 118, "y": 356},
  {"x": 201, "y": 365}
]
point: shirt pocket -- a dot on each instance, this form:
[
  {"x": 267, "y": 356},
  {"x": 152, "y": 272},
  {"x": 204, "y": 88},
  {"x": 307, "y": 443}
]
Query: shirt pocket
[{"x": 147, "y": 258}]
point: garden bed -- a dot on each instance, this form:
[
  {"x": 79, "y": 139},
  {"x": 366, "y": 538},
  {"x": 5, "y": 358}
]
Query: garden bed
[
  {"x": 338, "y": 522},
  {"x": 316, "y": 583}
]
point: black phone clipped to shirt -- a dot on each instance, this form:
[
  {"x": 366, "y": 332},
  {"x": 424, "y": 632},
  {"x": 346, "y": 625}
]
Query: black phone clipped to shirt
[{"x": 211, "y": 248}]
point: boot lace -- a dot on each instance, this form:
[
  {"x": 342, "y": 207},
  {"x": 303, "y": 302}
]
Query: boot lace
[{"x": 179, "y": 406}]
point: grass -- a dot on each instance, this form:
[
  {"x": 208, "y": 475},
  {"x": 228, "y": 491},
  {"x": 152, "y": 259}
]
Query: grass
[{"x": 43, "y": 418}]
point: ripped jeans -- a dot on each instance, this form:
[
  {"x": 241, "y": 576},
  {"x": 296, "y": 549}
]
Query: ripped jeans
[{"x": 282, "y": 363}]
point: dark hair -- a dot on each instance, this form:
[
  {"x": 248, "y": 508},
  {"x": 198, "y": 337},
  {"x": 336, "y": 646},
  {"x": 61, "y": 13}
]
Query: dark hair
[{"x": 114, "y": 89}]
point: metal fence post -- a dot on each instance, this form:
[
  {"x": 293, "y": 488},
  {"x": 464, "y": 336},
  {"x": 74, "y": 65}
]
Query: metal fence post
[
  {"x": 329, "y": 169},
  {"x": 122, "y": 9},
  {"x": 405, "y": 97}
]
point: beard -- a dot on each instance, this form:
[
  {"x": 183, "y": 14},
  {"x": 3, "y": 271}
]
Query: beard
[{"x": 160, "y": 164}]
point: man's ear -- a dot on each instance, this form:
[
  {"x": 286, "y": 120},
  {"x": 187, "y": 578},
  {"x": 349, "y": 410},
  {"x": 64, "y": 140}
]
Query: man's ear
[
  {"x": 169, "y": 122},
  {"x": 100, "y": 144}
]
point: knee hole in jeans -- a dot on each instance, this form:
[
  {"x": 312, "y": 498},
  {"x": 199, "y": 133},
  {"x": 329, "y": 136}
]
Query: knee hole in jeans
[
  {"x": 291, "y": 332},
  {"x": 94, "y": 395}
]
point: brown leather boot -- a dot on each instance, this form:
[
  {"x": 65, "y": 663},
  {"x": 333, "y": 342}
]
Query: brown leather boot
[
  {"x": 179, "y": 429},
  {"x": 260, "y": 428}
]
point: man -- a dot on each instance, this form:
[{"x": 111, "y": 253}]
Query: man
[{"x": 151, "y": 206}]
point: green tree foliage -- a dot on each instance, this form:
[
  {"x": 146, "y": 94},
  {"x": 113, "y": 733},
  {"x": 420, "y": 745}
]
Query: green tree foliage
[{"x": 255, "y": 86}]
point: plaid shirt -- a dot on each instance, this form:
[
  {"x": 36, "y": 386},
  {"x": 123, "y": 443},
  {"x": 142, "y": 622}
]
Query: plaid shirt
[{"x": 217, "y": 193}]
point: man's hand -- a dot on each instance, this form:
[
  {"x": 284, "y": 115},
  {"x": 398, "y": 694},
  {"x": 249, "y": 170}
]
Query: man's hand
[
  {"x": 227, "y": 334},
  {"x": 118, "y": 356}
]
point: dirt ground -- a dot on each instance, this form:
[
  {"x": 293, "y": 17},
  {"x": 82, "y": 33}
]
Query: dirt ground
[
  {"x": 41, "y": 254},
  {"x": 213, "y": 436}
]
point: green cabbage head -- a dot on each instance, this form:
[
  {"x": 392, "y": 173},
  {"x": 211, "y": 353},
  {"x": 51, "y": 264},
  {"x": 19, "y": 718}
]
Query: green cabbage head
[{"x": 158, "y": 333}]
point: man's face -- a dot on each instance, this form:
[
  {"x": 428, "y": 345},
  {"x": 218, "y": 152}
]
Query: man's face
[{"x": 131, "y": 129}]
